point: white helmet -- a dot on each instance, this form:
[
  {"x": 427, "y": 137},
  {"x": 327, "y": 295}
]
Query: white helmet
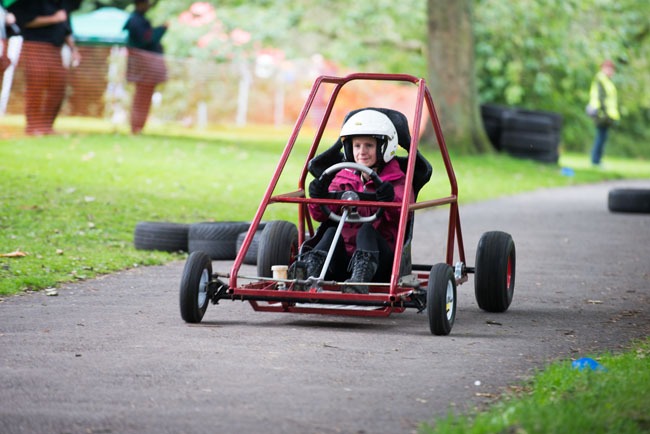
[{"x": 370, "y": 123}]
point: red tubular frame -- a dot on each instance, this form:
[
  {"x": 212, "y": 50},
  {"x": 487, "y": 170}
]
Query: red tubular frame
[{"x": 393, "y": 300}]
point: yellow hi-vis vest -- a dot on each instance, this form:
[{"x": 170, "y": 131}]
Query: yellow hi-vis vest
[{"x": 609, "y": 98}]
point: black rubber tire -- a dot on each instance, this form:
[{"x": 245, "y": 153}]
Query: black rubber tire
[
  {"x": 251, "y": 255},
  {"x": 165, "y": 236},
  {"x": 542, "y": 147},
  {"x": 193, "y": 291},
  {"x": 494, "y": 111},
  {"x": 217, "y": 239},
  {"x": 524, "y": 141},
  {"x": 494, "y": 278},
  {"x": 527, "y": 121},
  {"x": 552, "y": 157},
  {"x": 493, "y": 131},
  {"x": 629, "y": 200},
  {"x": 492, "y": 115},
  {"x": 555, "y": 118},
  {"x": 278, "y": 245},
  {"x": 441, "y": 299}
]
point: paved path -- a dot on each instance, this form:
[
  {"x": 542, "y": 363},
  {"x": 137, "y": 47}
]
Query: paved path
[{"x": 112, "y": 355}]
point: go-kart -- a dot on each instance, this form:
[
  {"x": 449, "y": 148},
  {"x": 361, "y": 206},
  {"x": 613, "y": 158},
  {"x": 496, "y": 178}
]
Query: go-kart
[{"x": 280, "y": 283}]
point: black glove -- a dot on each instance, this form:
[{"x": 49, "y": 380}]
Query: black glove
[
  {"x": 318, "y": 188},
  {"x": 385, "y": 192}
]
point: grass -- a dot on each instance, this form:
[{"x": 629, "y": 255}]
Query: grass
[
  {"x": 563, "y": 399},
  {"x": 70, "y": 202}
]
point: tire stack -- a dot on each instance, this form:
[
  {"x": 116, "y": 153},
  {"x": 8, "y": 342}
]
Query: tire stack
[
  {"x": 164, "y": 236},
  {"x": 251, "y": 254},
  {"x": 530, "y": 134},
  {"x": 219, "y": 240},
  {"x": 492, "y": 115}
]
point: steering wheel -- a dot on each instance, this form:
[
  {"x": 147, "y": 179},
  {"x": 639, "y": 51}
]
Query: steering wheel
[{"x": 353, "y": 216}]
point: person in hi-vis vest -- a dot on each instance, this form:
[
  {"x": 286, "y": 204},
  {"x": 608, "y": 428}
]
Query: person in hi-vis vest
[{"x": 603, "y": 108}]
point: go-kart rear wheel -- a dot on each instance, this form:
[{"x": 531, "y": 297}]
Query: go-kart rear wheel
[
  {"x": 494, "y": 278},
  {"x": 441, "y": 299},
  {"x": 278, "y": 245},
  {"x": 194, "y": 287}
]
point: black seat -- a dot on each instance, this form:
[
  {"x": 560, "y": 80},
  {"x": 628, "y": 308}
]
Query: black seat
[
  {"x": 421, "y": 175},
  {"x": 334, "y": 154}
]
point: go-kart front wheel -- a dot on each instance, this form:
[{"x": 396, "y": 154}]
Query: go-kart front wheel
[
  {"x": 494, "y": 278},
  {"x": 194, "y": 287},
  {"x": 441, "y": 299}
]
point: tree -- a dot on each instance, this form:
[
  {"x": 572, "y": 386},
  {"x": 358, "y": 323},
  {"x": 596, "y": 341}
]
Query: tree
[
  {"x": 450, "y": 44},
  {"x": 533, "y": 54}
]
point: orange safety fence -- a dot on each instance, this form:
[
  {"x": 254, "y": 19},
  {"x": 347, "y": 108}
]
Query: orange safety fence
[{"x": 42, "y": 87}]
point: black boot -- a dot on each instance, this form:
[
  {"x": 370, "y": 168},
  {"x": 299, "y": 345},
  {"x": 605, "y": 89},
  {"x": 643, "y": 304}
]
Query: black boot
[
  {"x": 315, "y": 260},
  {"x": 363, "y": 266},
  {"x": 311, "y": 266}
]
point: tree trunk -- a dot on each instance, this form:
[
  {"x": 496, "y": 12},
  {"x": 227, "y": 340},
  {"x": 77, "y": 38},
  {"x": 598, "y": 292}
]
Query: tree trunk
[{"x": 451, "y": 75}]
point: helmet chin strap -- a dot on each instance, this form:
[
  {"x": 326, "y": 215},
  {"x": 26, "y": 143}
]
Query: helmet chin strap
[{"x": 380, "y": 148}]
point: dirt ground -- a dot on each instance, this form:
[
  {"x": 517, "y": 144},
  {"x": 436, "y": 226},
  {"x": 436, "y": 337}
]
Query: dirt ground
[{"x": 112, "y": 355}]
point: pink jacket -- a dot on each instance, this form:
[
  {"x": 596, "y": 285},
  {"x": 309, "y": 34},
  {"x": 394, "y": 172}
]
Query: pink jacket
[{"x": 387, "y": 224}]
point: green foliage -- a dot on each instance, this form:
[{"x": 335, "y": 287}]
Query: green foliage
[
  {"x": 536, "y": 54},
  {"x": 562, "y": 399},
  {"x": 353, "y": 35},
  {"x": 543, "y": 54}
]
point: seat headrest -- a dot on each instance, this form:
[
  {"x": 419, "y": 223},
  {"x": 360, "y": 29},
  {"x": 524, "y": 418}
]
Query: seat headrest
[{"x": 333, "y": 155}]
